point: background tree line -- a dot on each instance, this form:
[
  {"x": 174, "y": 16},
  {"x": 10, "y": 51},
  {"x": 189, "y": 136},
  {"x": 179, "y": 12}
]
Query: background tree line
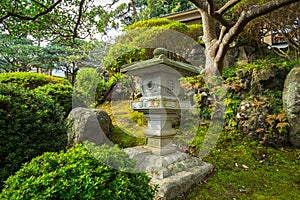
[{"x": 60, "y": 34}]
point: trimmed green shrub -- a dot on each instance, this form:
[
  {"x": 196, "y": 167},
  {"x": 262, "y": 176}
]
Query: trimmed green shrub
[
  {"x": 30, "y": 124},
  {"x": 85, "y": 88},
  {"x": 150, "y": 23},
  {"x": 139, "y": 41},
  {"x": 60, "y": 93},
  {"x": 194, "y": 30},
  {"x": 77, "y": 174},
  {"x": 30, "y": 80}
]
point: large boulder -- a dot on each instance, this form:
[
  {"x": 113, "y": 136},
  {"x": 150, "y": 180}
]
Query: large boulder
[
  {"x": 89, "y": 124},
  {"x": 253, "y": 116},
  {"x": 291, "y": 103},
  {"x": 269, "y": 78}
]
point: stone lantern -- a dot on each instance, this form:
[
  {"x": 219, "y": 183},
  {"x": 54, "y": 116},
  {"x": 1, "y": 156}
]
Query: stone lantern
[
  {"x": 160, "y": 100},
  {"x": 160, "y": 103}
]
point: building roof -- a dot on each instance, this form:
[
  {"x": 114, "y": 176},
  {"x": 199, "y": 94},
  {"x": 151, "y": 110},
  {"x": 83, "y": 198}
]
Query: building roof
[{"x": 191, "y": 16}]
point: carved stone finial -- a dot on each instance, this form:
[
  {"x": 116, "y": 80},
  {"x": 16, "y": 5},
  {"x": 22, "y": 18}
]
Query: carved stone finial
[{"x": 160, "y": 51}]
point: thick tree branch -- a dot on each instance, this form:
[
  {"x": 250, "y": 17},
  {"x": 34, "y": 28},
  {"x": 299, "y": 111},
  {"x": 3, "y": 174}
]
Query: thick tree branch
[
  {"x": 17, "y": 15},
  {"x": 257, "y": 11},
  {"x": 211, "y": 7},
  {"x": 75, "y": 34},
  {"x": 4, "y": 17},
  {"x": 252, "y": 13},
  {"x": 209, "y": 28},
  {"x": 134, "y": 11},
  {"x": 227, "y": 6}
]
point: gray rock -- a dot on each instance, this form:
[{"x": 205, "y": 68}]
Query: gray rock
[
  {"x": 252, "y": 122},
  {"x": 175, "y": 173},
  {"x": 267, "y": 79},
  {"x": 89, "y": 124},
  {"x": 251, "y": 117},
  {"x": 291, "y": 104}
]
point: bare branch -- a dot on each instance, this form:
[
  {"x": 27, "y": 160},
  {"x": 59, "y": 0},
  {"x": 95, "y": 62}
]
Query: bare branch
[
  {"x": 290, "y": 39},
  {"x": 221, "y": 19},
  {"x": 111, "y": 4},
  {"x": 227, "y": 6}
]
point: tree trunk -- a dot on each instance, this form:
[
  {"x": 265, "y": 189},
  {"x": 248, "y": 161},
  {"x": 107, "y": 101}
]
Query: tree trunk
[
  {"x": 217, "y": 44},
  {"x": 134, "y": 12}
]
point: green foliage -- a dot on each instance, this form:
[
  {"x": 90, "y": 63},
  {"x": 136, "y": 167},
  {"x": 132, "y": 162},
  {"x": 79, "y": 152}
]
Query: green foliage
[
  {"x": 144, "y": 36},
  {"x": 78, "y": 174},
  {"x": 149, "y": 23},
  {"x": 122, "y": 54},
  {"x": 66, "y": 19},
  {"x": 232, "y": 104},
  {"x": 152, "y": 9},
  {"x": 30, "y": 80},
  {"x": 103, "y": 86},
  {"x": 85, "y": 87},
  {"x": 59, "y": 89},
  {"x": 194, "y": 31},
  {"x": 114, "y": 156},
  {"x": 125, "y": 140},
  {"x": 17, "y": 54},
  {"x": 31, "y": 123},
  {"x": 274, "y": 61},
  {"x": 138, "y": 118},
  {"x": 60, "y": 93},
  {"x": 22, "y": 54},
  {"x": 229, "y": 74}
]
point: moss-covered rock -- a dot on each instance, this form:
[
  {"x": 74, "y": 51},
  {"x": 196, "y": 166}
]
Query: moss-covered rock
[{"x": 291, "y": 103}]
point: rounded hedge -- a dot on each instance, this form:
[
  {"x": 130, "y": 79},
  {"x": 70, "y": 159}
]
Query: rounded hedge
[
  {"x": 30, "y": 124},
  {"x": 75, "y": 174},
  {"x": 30, "y": 80},
  {"x": 60, "y": 93}
]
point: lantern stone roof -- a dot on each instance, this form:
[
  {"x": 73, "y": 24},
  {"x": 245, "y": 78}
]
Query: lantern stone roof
[{"x": 156, "y": 64}]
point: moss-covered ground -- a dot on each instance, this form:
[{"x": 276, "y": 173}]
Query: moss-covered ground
[
  {"x": 244, "y": 169},
  {"x": 128, "y": 125}
]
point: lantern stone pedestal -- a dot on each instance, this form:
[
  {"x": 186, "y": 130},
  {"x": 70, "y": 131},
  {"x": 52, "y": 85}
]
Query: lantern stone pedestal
[{"x": 174, "y": 171}]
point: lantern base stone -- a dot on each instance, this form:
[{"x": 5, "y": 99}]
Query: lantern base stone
[{"x": 175, "y": 173}]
